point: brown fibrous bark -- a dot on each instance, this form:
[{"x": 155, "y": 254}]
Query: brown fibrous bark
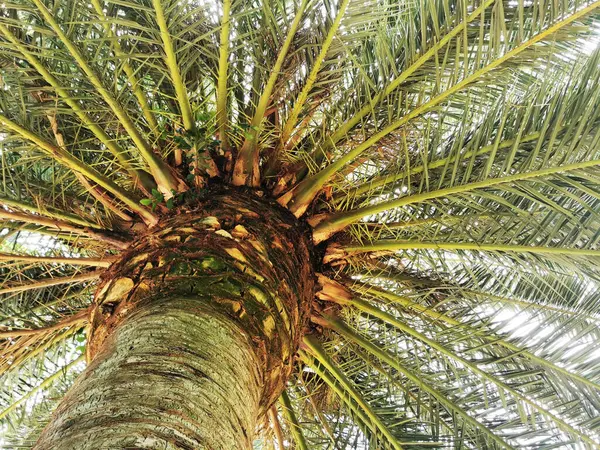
[{"x": 251, "y": 256}]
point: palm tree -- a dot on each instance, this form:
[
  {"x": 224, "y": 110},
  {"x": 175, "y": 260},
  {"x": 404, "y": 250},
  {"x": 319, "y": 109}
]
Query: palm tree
[{"x": 304, "y": 224}]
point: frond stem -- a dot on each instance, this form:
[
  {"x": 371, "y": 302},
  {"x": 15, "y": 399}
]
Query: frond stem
[
  {"x": 347, "y": 390},
  {"x": 389, "y": 179},
  {"x": 338, "y": 221},
  {"x": 290, "y": 416},
  {"x": 312, "y": 77},
  {"x": 80, "y": 317},
  {"x": 110, "y": 144},
  {"x": 95, "y": 191},
  {"x": 62, "y": 226},
  {"x": 171, "y": 61},
  {"x": 276, "y": 426},
  {"x": 94, "y": 262},
  {"x": 53, "y": 282},
  {"x": 394, "y": 245},
  {"x": 48, "y": 213},
  {"x": 129, "y": 71},
  {"x": 246, "y": 170},
  {"x": 221, "y": 113}
]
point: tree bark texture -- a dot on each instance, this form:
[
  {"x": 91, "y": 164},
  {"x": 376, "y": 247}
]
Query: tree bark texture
[{"x": 194, "y": 331}]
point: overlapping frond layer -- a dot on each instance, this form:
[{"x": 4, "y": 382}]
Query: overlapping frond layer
[
  {"x": 471, "y": 79},
  {"x": 545, "y": 134},
  {"x": 43, "y": 310},
  {"x": 464, "y": 362}
]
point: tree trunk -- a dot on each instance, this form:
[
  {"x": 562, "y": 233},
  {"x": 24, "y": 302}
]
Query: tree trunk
[
  {"x": 174, "y": 375},
  {"x": 194, "y": 332}
]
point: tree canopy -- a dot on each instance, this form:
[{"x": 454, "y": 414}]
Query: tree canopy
[{"x": 445, "y": 153}]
